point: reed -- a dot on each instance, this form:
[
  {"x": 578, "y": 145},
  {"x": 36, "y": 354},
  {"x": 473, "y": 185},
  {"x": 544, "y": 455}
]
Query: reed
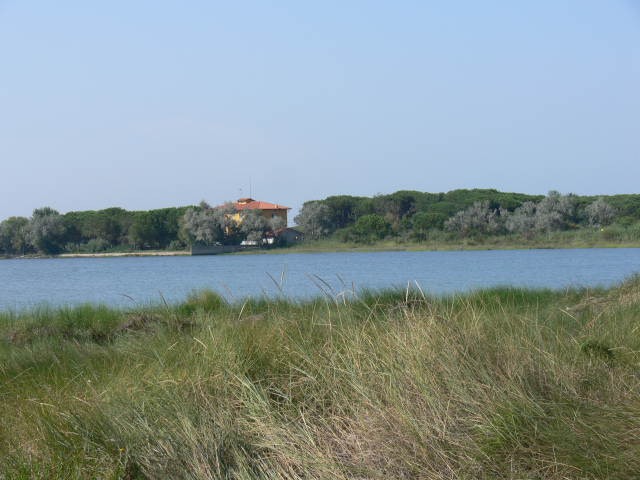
[{"x": 496, "y": 383}]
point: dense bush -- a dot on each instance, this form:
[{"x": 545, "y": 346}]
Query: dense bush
[
  {"x": 478, "y": 218},
  {"x": 600, "y": 213},
  {"x": 97, "y": 245},
  {"x": 371, "y": 227},
  {"x": 420, "y": 223}
]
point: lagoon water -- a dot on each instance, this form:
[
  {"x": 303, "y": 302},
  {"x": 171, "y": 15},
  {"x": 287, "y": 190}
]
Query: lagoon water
[{"x": 118, "y": 280}]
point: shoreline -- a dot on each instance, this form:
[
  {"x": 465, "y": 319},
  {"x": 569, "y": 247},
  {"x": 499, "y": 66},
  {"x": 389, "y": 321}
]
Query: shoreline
[
  {"x": 121, "y": 254},
  {"x": 373, "y": 248},
  {"x": 96, "y": 255}
]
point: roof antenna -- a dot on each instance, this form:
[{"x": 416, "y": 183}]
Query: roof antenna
[{"x": 249, "y": 187}]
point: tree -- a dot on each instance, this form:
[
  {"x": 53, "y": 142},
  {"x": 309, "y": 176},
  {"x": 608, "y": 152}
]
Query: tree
[
  {"x": 44, "y": 230},
  {"x": 315, "y": 218},
  {"x": 276, "y": 223},
  {"x": 445, "y": 208},
  {"x": 554, "y": 211},
  {"x": 548, "y": 220},
  {"x": 105, "y": 227},
  {"x": 147, "y": 229},
  {"x": 404, "y": 202},
  {"x": 600, "y": 213},
  {"x": 201, "y": 227},
  {"x": 225, "y": 215},
  {"x": 423, "y": 222},
  {"x": 204, "y": 225},
  {"x": 253, "y": 226},
  {"x": 344, "y": 210},
  {"x": 275, "y": 226},
  {"x": 12, "y": 234},
  {"x": 551, "y": 214},
  {"x": 558, "y": 208},
  {"x": 371, "y": 227},
  {"x": 478, "y": 217},
  {"x": 428, "y": 221},
  {"x": 522, "y": 220},
  {"x": 384, "y": 205},
  {"x": 171, "y": 222}
]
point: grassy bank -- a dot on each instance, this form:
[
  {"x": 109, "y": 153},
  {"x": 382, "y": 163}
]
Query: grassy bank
[
  {"x": 585, "y": 237},
  {"x": 502, "y": 383}
]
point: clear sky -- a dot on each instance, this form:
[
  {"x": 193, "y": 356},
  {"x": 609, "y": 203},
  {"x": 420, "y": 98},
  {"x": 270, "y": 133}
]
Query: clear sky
[{"x": 152, "y": 104}]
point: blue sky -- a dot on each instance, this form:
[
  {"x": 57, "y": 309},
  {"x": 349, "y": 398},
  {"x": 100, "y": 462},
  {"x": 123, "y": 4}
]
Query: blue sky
[{"x": 143, "y": 105}]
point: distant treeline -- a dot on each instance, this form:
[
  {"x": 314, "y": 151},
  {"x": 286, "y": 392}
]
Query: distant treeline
[
  {"x": 407, "y": 214},
  {"x": 412, "y": 213},
  {"x": 345, "y": 209},
  {"x": 91, "y": 231},
  {"x": 176, "y": 228}
]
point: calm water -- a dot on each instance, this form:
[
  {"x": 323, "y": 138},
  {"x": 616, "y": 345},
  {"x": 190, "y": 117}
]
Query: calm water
[{"x": 76, "y": 280}]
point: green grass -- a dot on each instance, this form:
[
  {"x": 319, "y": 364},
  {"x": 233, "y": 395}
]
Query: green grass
[
  {"x": 584, "y": 237},
  {"x": 498, "y": 383}
]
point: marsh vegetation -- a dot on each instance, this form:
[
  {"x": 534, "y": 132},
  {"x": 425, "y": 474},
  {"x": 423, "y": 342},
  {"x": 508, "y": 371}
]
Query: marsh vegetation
[{"x": 498, "y": 383}]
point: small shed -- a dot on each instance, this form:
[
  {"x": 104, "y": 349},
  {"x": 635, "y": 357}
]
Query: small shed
[{"x": 292, "y": 235}]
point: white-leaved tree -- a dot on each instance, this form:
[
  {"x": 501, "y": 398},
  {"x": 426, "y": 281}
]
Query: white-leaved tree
[
  {"x": 275, "y": 227},
  {"x": 253, "y": 226},
  {"x": 550, "y": 215},
  {"x": 225, "y": 215},
  {"x": 208, "y": 226},
  {"x": 522, "y": 220},
  {"x": 600, "y": 213},
  {"x": 314, "y": 219},
  {"x": 478, "y": 217},
  {"x": 554, "y": 211},
  {"x": 201, "y": 227}
]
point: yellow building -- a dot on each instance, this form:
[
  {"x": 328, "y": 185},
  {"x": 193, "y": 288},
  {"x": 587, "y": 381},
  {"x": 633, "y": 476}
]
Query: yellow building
[{"x": 269, "y": 210}]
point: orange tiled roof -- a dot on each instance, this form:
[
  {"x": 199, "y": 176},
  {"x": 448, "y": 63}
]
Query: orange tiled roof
[
  {"x": 251, "y": 204},
  {"x": 256, "y": 204}
]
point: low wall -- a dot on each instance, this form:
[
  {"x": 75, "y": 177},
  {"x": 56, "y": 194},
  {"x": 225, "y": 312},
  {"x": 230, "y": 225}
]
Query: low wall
[{"x": 215, "y": 249}]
